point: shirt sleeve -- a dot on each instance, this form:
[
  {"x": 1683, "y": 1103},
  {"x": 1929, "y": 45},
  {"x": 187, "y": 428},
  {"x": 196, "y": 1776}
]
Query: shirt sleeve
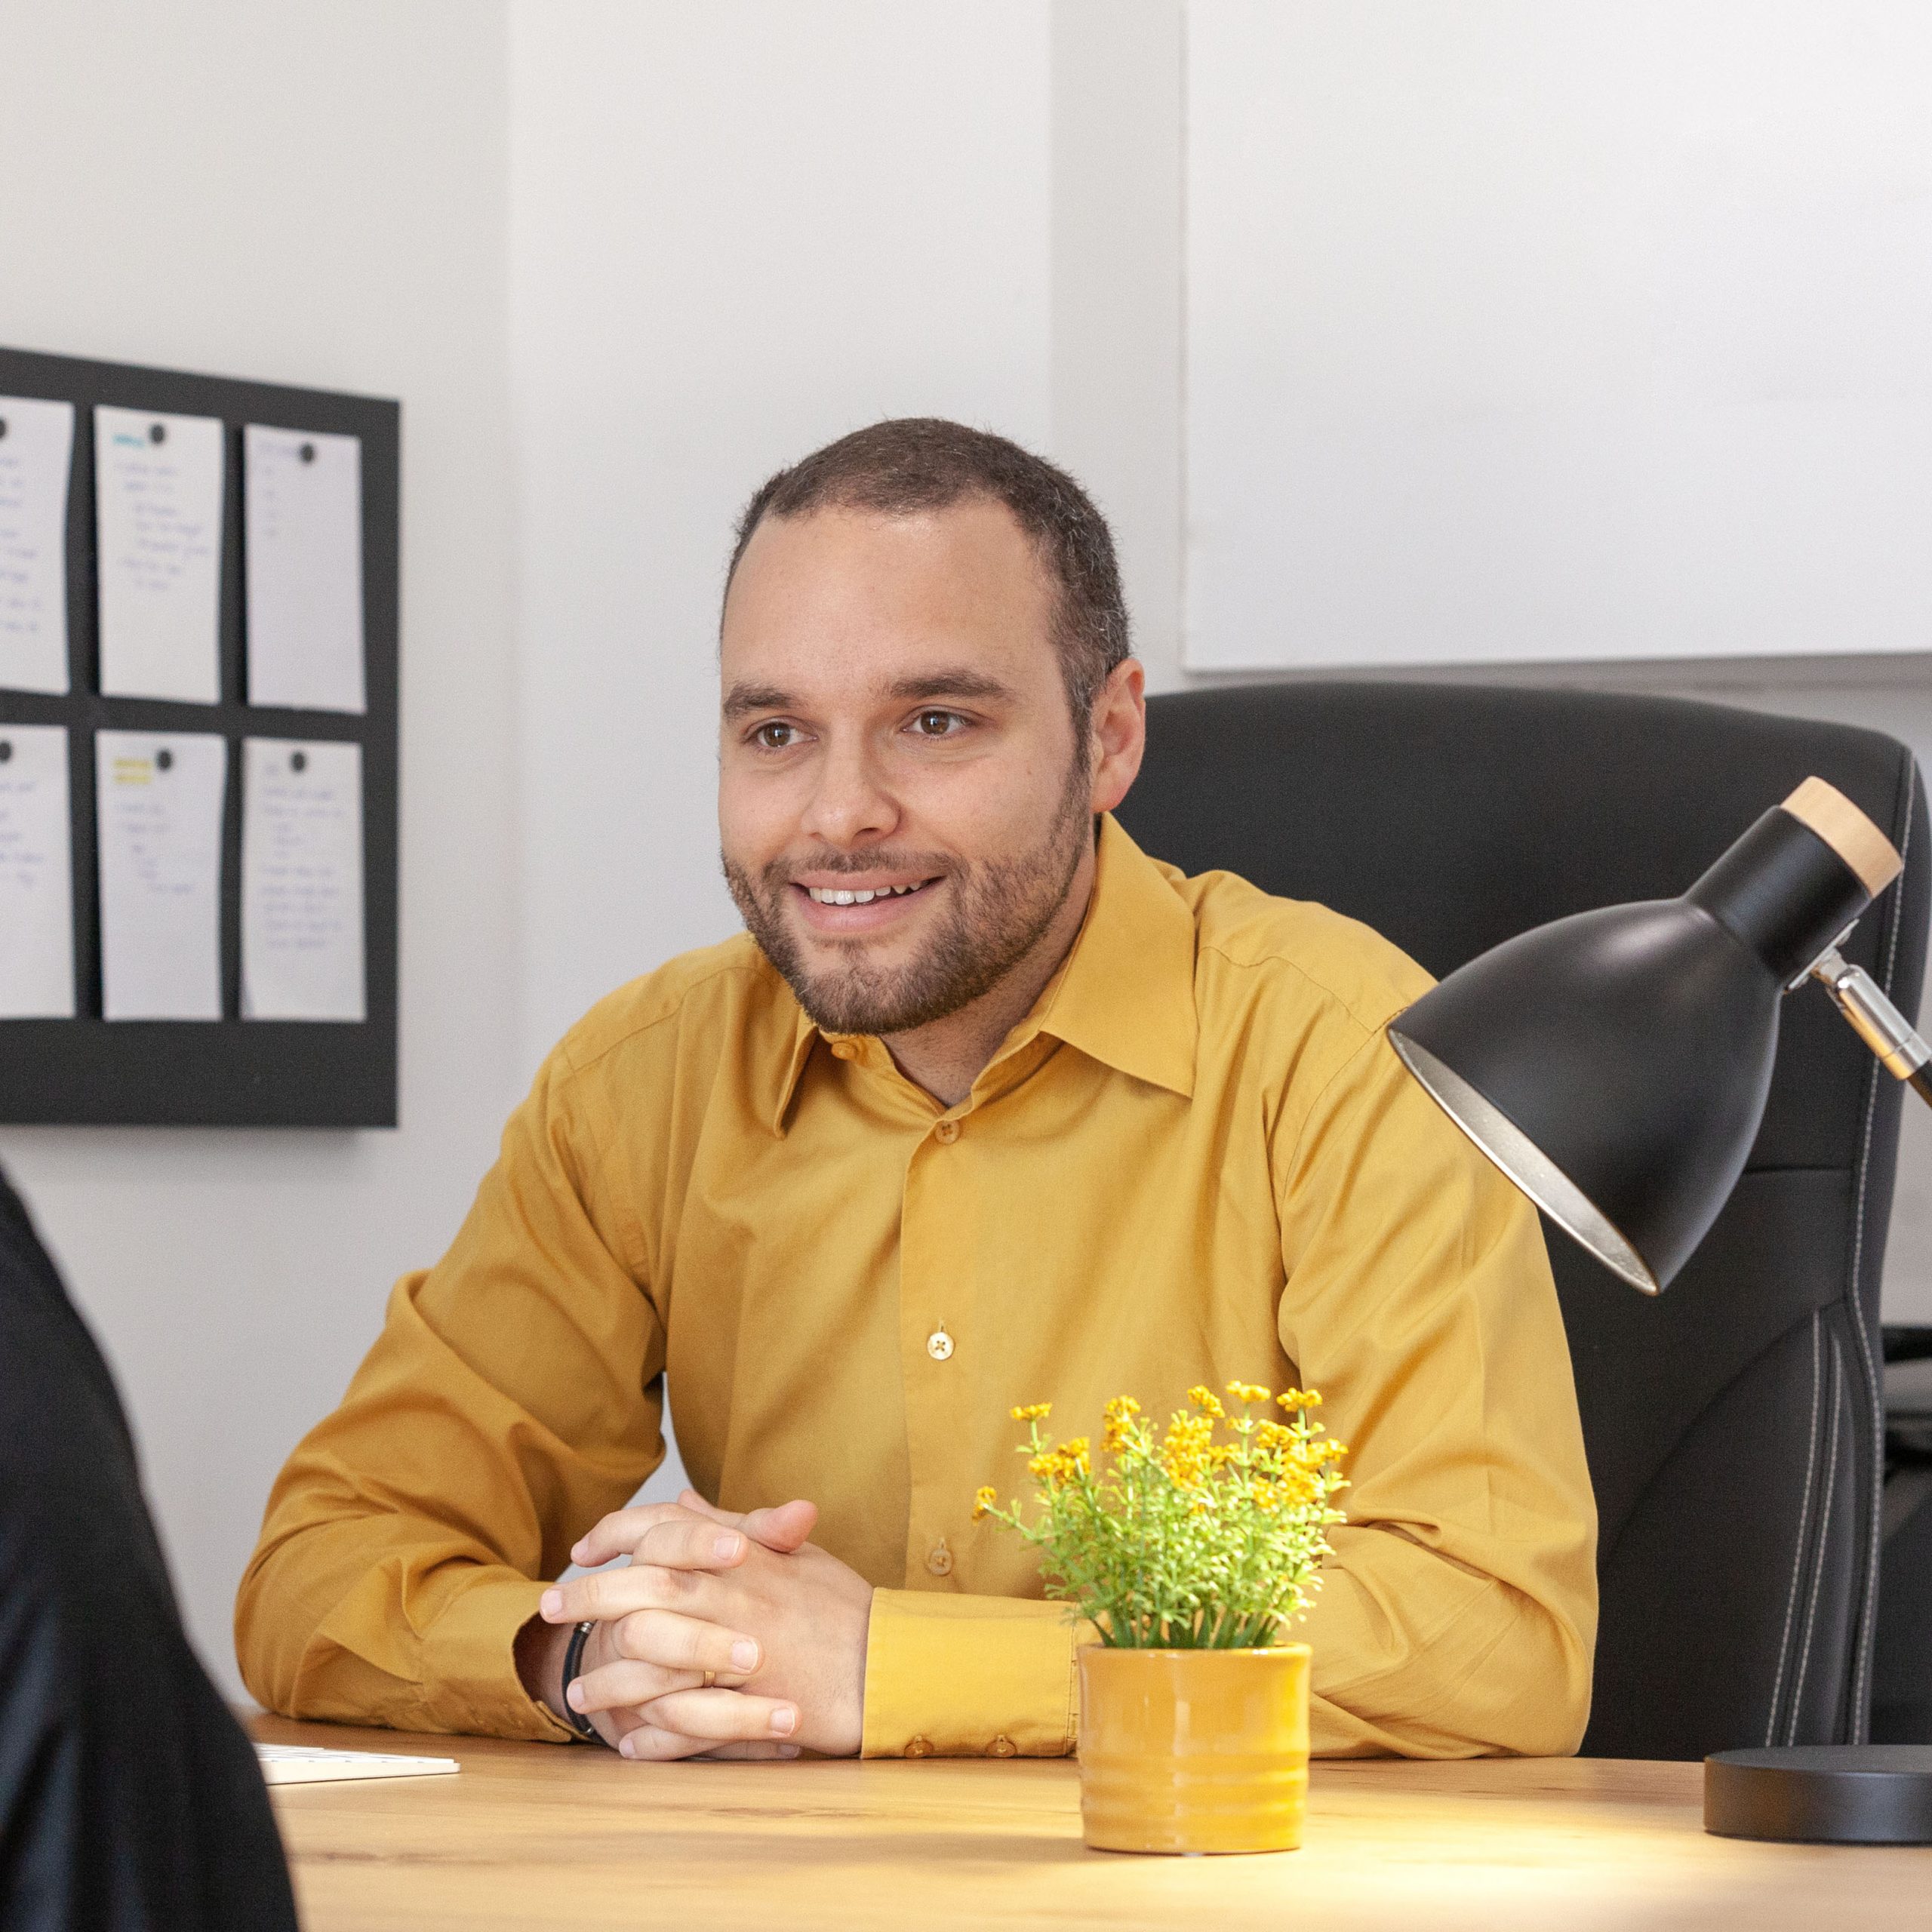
[
  {"x": 1457, "y": 1614},
  {"x": 512, "y": 1397},
  {"x": 969, "y": 1676}
]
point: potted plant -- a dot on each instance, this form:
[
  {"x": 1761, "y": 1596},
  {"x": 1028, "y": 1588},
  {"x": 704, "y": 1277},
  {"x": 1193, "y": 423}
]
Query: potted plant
[{"x": 1192, "y": 1553}]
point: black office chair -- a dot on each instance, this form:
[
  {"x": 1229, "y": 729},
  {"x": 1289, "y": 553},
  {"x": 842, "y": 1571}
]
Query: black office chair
[{"x": 1732, "y": 1425}]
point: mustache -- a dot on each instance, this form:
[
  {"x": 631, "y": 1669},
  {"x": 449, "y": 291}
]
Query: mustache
[{"x": 858, "y": 865}]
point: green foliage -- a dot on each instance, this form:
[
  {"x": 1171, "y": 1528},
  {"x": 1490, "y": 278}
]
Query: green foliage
[{"x": 1188, "y": 1543}]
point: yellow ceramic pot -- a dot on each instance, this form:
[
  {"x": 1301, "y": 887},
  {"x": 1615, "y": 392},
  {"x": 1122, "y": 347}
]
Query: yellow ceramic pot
[{"x": 1192, "y": 1750}]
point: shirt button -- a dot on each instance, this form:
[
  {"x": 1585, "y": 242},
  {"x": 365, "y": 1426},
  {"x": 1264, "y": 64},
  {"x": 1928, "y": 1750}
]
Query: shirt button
[
  {"x": 844, "y": 1050},
  {"x": 946, "y": 1133},
  {"x": 938, "y": 1345},
  {"x": 939, "y": 1559},
  {"x": 918, "y": 1747},
  {"x": 1002, "y": 1747}
]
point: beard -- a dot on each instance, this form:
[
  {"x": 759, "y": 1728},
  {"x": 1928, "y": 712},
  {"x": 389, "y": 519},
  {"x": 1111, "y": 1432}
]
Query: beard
[{"x": 1000, "y": 910}]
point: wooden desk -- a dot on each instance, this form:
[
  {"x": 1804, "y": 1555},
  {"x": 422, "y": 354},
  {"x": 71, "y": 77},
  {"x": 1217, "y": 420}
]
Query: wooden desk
[{"x": 533, "y": 1835}]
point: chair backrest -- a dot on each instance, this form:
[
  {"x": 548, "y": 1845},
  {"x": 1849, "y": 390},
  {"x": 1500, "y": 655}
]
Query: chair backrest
[{"x": 1733, "y": 1424}]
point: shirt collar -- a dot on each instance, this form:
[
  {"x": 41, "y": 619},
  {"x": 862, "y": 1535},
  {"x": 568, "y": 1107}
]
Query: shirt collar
[{"x": 1125, "y": 995}]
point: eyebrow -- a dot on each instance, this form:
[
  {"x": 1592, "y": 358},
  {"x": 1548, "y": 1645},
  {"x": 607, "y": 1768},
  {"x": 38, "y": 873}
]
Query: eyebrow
[
  {"x": 741, "y": 699},
  {"x": 956, "y": 681}
]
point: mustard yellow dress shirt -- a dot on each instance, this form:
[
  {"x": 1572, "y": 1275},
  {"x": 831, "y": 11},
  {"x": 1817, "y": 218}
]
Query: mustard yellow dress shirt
[{"x": 1198, "y": 1160}]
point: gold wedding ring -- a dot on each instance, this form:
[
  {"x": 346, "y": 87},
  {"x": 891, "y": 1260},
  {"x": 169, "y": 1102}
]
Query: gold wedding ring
[{"x": 710, "y": 1678}]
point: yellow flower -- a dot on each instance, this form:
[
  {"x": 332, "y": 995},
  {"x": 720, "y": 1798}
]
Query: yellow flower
[
  {"x": 1247, "y": 1392},
  {"x": 1299, "y": 1488},
  {"x": 1272, "y": 1436},
  {"x": 1033, "y": 1412},
  {"x": 1300, "y": 1399},
  {"x": 1115, "y": 1436},
  {"x": 983, "y": 1500},
  {"x": 1184, "y": 1451},
  {"x": 1206, "y": 1400}
]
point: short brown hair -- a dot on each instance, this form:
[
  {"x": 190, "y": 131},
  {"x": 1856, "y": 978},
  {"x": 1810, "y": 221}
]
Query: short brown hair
[{"x": 912, "y": 463}]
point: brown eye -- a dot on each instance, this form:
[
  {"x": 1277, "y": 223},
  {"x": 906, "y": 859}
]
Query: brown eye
[
  {"x": 937, "y": 724},
  {"x": 774, "y": 737}
]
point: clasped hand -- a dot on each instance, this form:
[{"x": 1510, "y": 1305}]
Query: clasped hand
[{"x": 778, "y": 1623}]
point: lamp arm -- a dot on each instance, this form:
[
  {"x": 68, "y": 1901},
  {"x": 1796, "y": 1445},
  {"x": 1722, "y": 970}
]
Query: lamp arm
[{"x": 1876, "y": 1021}]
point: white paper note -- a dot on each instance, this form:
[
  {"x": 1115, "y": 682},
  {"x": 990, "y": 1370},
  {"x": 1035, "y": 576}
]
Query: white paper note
[
  {"x": 36, "y": 875},
  {"x": 36, "y": 456},
  {"x": 302, "y": 544},
  {"x": 158, "y": 484},
  {"x": 301, "y": 881},
  {"x": 161, "y": 797}
]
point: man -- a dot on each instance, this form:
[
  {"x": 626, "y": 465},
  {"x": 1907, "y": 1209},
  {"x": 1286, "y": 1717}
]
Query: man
[
  {"x": 129, "y": 1799},
  {"x": 985, "y": 1107}
]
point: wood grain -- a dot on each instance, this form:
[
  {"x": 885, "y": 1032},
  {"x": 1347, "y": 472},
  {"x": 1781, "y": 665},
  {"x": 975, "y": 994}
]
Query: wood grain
[
  {"x": 1847, "y": 832},
  {"x": 533, "y": 1835}
]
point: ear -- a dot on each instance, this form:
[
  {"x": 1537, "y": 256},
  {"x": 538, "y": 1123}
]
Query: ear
[{"x": 1118, "y": 728}]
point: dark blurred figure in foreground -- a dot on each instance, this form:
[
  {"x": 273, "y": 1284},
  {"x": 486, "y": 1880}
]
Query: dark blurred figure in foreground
[{"x": 129, "y": 1798}]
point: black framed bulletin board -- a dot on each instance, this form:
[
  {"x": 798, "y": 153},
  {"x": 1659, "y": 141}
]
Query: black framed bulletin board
[{"x": 232, "y": 1050}]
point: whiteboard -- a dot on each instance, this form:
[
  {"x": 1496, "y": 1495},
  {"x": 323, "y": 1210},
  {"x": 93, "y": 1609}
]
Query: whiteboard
[{"x": 1543, "y": 330}]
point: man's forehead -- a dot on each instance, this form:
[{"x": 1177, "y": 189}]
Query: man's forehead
[
  {"x": 968, "y": 565},
  {"x": 841, "y": 607}
]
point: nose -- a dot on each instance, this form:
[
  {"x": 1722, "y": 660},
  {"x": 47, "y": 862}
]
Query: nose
[{"x": 850, "y": 803}]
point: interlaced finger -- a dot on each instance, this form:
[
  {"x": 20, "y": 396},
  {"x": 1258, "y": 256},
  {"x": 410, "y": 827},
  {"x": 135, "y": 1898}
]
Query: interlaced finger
[
  {"x": 626, "y": 1684},
  {"x": 677, "y": 1642},
  {"x": 718, "y": 1717},
  {"x": 618, "y": 1533}
]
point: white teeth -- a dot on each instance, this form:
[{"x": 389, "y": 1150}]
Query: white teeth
[{"x": 827, "y": 895}]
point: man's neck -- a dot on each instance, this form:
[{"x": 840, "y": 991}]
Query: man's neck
[{"x": 947, "y": 1056}]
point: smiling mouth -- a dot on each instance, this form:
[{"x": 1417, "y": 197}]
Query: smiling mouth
[{"x": 855, "y": 895}]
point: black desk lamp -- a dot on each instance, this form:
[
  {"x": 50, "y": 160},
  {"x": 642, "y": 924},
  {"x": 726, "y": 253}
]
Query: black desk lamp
[{"x": 1615, "y": 1065}]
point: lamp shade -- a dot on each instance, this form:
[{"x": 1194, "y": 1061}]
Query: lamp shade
[{"x": 1615, "y": 1064}]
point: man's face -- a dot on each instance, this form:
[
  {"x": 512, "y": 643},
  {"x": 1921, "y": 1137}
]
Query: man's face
[{"x": 895, "y": 732}]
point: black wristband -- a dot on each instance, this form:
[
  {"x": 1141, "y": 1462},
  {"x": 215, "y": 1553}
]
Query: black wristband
[{"x": 573, "y": 1658}]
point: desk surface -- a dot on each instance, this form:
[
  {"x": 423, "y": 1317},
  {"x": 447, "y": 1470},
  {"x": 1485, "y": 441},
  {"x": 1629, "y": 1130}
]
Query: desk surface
[{"x": 533, "y": 1835}]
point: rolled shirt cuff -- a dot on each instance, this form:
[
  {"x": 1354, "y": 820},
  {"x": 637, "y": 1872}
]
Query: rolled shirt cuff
[{"x": 950, "y": 1675}]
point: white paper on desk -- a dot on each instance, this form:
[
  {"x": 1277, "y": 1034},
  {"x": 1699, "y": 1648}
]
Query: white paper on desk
[
  {"x": 160, "y": 796},
  {"x": 36, "y": 875},
  {"x": 301, "y": 881},
  {"x": 301, "y": 541},
  {"x": 36, "y": 458},
  {"x": 158, "y": 488}
]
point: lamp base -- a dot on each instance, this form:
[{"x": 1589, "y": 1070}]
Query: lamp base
[{"x": 1822, "y": 1794}]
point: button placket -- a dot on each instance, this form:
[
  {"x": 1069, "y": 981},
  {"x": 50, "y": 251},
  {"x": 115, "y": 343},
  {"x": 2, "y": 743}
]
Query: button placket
[{"x": 939, "y": 1253}]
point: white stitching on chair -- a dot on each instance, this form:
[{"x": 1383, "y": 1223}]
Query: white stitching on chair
[
  {"x": 1824, "y": 1538},
  {"x": 1869, "y": 1620},
  {"x": 1798, "y": 1555}
]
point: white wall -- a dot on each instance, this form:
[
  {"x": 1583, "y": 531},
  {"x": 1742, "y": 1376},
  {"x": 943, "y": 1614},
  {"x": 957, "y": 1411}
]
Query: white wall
[
  {"x": 316, "y": 195},
  {"x": 1528, "y": 332},
  {"x": 737, "y": 231}
]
